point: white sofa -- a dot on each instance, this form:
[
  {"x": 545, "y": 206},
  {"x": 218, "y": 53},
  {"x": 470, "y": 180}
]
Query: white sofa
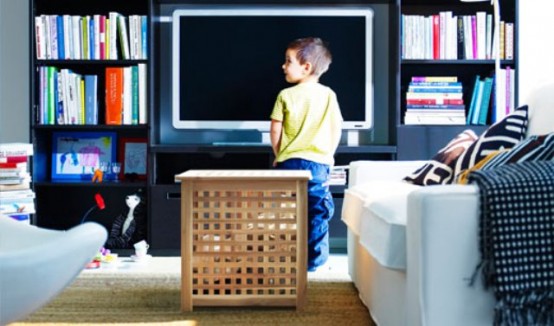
[{"x": 413, "y": 249}]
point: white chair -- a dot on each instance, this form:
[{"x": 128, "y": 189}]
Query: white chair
[{"x": 36, "y": 264}]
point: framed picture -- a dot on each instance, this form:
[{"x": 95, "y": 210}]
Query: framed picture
[
  {"x": 132, "y": 154},
  {"x": 75, "y": 155}
]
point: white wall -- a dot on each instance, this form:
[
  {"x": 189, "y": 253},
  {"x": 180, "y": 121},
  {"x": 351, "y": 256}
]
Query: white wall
[
  {"x": 14, "y": 71},
  {"x": 536, "y": 49}
]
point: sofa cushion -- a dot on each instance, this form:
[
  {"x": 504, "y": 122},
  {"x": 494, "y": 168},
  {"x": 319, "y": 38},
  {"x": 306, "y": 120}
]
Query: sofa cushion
[
  {"x": 356, "y": 197},
  {"x": 383, "y": 230},
  {"x": 440, "y": 169},
  {"x": 534, "y": 148},
  {"x": 506, "y": 133}
]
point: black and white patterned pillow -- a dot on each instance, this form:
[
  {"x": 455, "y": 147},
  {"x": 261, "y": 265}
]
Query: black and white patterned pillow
[
  {"x": 534, "y": 148},
  {"x": 440, "y": 169},
  {"x": 504, "y": 134}
]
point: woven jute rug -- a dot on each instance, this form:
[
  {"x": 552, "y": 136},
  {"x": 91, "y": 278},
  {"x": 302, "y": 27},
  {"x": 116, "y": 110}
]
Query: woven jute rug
[{"x": 154, "y": 299}]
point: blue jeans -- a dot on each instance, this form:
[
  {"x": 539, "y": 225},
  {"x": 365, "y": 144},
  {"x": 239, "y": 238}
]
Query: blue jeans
[{"x": 320, "y": 208}]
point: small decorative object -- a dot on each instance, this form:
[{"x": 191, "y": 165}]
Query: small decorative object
[
  {"x": 132, "y": 152},
  {"x": 98, "y": 176},
  {"x": 130, "y": 226},
  {"x": 100, "y": 204},
  {"x": 115, "y": 169},
  {"x": 141, "y": 250}
]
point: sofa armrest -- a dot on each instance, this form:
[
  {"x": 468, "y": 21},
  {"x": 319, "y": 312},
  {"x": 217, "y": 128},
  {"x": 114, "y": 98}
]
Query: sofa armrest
[
  {"x": 442, "y": 254},
  {"x": 366, "y": 171}
]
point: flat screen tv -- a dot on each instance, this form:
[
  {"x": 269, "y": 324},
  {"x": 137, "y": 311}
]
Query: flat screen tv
[{"x": 227, "y": 60}]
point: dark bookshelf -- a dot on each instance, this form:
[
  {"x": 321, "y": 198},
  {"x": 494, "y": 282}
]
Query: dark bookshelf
[{"x": 423, "y": 141}]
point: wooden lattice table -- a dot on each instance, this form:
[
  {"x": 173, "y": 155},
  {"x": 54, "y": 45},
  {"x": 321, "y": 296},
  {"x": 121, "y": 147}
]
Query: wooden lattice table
[{"x": 244, "y": 236}]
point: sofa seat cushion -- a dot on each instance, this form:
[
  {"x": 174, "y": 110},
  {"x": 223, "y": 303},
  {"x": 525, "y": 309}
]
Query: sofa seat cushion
[
  {"x": 356, "y": 197},
  {"x": 383, "y": 230}
]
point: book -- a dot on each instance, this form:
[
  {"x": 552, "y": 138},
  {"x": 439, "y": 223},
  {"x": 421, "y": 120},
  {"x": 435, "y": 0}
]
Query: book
[
  {"x": 485, "y": 101},
  {"x": 53, "y": 36},
  {"x": 67, "y": 42},
  {"x": 40, "y": 38},
  {"x": 473, "y": 98},
  {"x": 102, "y": 37},
  {"x": 473, "y": 21},
  {"x": 123, "y": 35},
  {"x": 142, "y": 93},
  {"x": 12, "y": 180},
  {"x": 127, "y": 96},
  {"x": 135, "y": 95},
  {"x": 114, "y": 95},
  {"x": 92, "y": 38},
  {"x": 76, "y": 33},
  {"x": 434, "y": 101},
  {"x": 13, "y": 173},
  {"x": 26, "y": 184},
  {"x": 144, "y": 37},
  {"x": 16, "y": 149},
  {"x": 434, "y": 79},
  {"x": 478, "y": 99},
  {"x": 91, "y": 100},
  {"x": 437, "y": 106},
  {"x": 12, "y": 165},
  {"x": 502, "y": 39},
  {"x": 481, "y": 34},
  {"x": 435, "y": 120},
  {"x": 434, "y": 113},
  {"x": 13, "y": 159},
  {"x": 17, "y": 194},
  {"x": 468, "y": 40},
  {"x": 433, "y": 95},
  {"x": 508, "y": 41},
  {"x": 112, "y": 35},
  {"x": 436, "y": 37},
  {"x": 460, "y": 37},
  {"x": 17, "y": 206},
  {"x": 435, "y": 89},
  {"x": 488, "y": 38},
  {"x": 85, "y": 42}
]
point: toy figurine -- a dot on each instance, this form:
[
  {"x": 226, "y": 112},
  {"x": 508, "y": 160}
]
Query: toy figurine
[
  {"x": 98, "y": 176},
  {"x": 130, "y": 226}
]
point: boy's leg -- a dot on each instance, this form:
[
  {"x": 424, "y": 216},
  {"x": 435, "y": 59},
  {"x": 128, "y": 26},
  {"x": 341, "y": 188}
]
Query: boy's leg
[{"x": 320, "y": 209}]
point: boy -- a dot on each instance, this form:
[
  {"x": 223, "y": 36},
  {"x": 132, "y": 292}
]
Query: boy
[{"x": 305, "y": 132}]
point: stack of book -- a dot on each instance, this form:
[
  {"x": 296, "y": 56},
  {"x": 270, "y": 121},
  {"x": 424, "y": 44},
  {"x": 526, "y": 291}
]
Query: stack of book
[
  {"x": 435, "y": 100},
  {"x": 67, "y": 97},
  {"x": 16, "y": 195},
  {"x": 337, "y": 175},
  {"x": 91, "y": 37},
  {"x": 447, "y": 36}
]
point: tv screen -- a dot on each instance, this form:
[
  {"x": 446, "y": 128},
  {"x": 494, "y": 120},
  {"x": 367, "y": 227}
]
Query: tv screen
[{"x": 227, "y": 62}]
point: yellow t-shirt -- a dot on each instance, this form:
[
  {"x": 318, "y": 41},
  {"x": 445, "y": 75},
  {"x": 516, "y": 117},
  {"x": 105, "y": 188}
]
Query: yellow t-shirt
[{"x": 311, "y": 120}]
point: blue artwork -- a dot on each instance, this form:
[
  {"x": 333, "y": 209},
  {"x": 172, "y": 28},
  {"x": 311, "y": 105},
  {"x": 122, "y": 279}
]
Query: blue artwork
[{"x": 78, "y": 154}]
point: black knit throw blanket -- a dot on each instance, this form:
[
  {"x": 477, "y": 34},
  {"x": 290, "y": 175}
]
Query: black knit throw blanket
[{"x": 517, "y": 240}]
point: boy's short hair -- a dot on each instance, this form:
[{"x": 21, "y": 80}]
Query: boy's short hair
[{"x": 313, "y": 50}]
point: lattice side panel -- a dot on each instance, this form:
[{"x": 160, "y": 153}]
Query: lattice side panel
[{"x": 244, "y": 243}]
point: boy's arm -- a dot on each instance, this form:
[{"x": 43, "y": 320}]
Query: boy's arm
[{"x": 275, "y": 135}]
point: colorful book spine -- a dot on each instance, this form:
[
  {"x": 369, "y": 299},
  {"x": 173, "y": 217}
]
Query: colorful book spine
[{"x": 114, "y": 95}]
